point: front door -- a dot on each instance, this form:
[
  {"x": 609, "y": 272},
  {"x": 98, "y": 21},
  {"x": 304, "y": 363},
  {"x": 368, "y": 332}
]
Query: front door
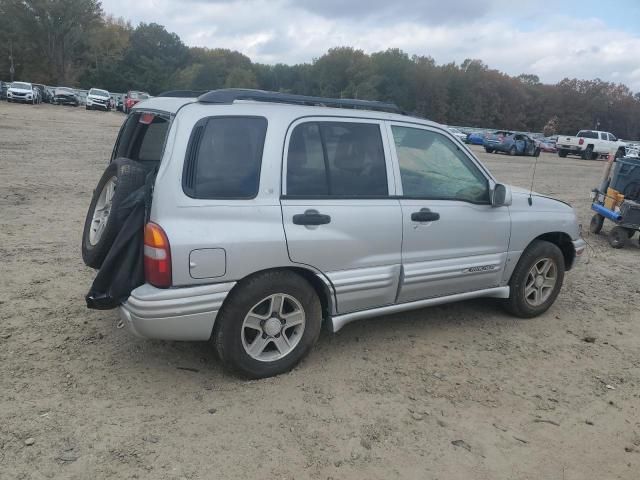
[
  {"x": 338, "y": 211},
  {"x": 454, "y": 241}
]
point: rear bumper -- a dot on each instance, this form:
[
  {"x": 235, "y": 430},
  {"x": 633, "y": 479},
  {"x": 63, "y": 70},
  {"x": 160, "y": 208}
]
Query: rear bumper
[
  {"x": 570, "y": 148},
  {"x": 185, "y": 313}
]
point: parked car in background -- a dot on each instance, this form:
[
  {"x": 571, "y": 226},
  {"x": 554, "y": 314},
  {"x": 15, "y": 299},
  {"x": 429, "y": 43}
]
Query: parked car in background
[
  {"x": 65, "y": 96},
  {"x": 49, "y": 94},
  {"x": 475, "y": 138},
  {"x": 339, "y": 238},
  {"x": 546, "y": 145},
  {"x": 41, "y": 89},
  {"x": 511, "y": 143},
  {"x": 132, "y": 98},
  {"x": 98, "y": 99},
  {"x": 22, "y": 92},
  {"x": 590, "y": 145},
  {"x": 458, "y": 134},
  {"x": 497, "y": 135}
]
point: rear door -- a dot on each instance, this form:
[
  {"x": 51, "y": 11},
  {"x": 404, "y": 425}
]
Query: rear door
[
  {"x": 338, "y": 211},
  {"x": 454, "y": 241}
]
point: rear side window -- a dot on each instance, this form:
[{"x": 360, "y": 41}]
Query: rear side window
[
  {"x": 224, "y": 158},
  {"x": 336, "y": 159}
]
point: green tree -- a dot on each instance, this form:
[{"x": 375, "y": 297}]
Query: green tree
[{"x": 55, "y": 31}]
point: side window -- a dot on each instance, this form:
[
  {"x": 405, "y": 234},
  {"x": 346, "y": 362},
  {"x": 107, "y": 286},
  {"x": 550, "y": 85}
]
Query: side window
[
  {"x": 603, "y": 136},
  {"x": 433, "y": 167},
  {"x": 339, "y": 159},
  {"x": 224, "y": 158}
]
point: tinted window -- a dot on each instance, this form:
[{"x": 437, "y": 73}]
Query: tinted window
[
  {"x": 587, "y": 134},
  {"x": 152, "y": 143},
  {"x": 431, "y": 166},
  {"x": 603, "y": 136},
  {"x": 142, "y": 138},
  {"x": 224, "y": 158},
  {"x": 336, "y": 159}
]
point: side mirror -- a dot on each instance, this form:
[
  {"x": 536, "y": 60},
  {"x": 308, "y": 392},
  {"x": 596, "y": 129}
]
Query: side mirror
[{"x": 501, "y": 195}]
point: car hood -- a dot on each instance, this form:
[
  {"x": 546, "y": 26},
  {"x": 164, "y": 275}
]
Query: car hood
[
  {"x": 524, "y": 192},
  {"x": 19, "y": 90}
]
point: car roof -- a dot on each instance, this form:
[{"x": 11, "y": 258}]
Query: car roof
[
  {"x": 173, "y": 104},
  {"x": 163, "y": 104}
]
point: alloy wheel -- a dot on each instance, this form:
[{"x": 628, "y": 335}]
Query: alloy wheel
[
  {"x": 541, "y": 280},
  {"x": 102, "y": 211},
  {"x": 273, "y": 327}
]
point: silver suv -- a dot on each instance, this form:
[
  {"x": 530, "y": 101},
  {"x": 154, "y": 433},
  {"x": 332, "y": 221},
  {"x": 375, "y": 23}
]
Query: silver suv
[{"x": 272, "y": 214}]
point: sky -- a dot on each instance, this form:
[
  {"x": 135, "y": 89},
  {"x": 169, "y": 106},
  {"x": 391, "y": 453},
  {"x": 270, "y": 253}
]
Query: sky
[{"x": 552, "y": 39}]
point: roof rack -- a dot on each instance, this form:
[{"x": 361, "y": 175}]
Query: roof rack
[
  {"x": 229, "y": 95},
  {"x": 183, "y": 93}
]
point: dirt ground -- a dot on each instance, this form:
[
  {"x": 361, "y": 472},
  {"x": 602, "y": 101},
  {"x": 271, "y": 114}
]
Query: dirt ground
[{"x": 457, "y": 392}]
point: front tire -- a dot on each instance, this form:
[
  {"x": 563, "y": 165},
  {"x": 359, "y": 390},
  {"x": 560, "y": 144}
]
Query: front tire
[
  {"x": 536, "y": 280},
  {"x": 562, "y": 153},
  {"x": 268, "y": 324},
  {"x": 488, "y": 150}
]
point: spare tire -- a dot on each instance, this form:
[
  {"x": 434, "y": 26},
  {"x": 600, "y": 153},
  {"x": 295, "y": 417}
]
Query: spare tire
[{"x": 121, "y": 178}]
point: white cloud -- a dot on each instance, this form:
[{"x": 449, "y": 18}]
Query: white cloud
[{"x": 551, "y": 46}]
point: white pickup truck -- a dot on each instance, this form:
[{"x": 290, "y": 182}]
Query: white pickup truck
[{"x": 590, "y": 145}]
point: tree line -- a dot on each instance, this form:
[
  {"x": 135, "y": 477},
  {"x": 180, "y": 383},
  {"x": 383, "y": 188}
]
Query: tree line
[{"x": 74, "y": 43}]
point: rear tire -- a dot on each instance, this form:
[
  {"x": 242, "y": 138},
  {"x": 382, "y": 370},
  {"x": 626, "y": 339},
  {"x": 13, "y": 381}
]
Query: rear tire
[
  {"x": 618, "y": 237},
  {"x": 533, "y": 290},
  {"x": 513, "y": 151},
  {"x": 588, "y": 153},
  {"x": 595, "y": 226},
  {"x": 104, "y": 220},
  {"x": 488, "y": 150},
  {"x": 272, "y": 351}
]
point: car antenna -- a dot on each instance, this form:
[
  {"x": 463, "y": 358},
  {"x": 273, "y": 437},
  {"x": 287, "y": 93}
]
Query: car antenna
[{"x": 533, "y": 178}]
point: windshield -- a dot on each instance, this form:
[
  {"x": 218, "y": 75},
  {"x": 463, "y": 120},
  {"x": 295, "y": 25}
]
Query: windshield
[
  {"x": 138, "y": 95},
  {"x": 99, "y": 93},
  {"x": 64, "y": 90},
  {"x": 24, "y": 86}
]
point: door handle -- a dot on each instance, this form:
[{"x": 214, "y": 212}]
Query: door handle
[
  {"x": 425, "y": 215},
  {"x": 311, "y": 217}
]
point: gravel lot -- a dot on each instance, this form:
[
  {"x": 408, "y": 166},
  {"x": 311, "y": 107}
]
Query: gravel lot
[{"x": 457, "y": 392}]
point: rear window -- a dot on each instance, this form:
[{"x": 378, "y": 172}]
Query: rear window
[
  {"x": 142, "y": 138},
  {"x": 224, "y": 157},
  {"x": 587, "y": 134}
]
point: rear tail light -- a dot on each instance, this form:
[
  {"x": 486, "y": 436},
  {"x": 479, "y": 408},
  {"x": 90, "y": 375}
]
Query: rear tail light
[
  {"x": 581, "y": 141},
  {"x": 157, "y": 256}
]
